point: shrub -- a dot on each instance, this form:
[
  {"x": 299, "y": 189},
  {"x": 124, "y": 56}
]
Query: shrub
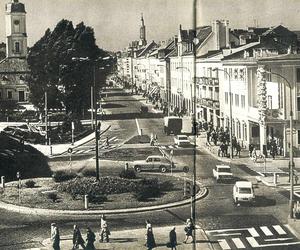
[
  {"x": 88, "y": 172},
  {"x": 96, "y": 198},
  {"x": 60, "y": 176},
  {"x": 128, "y": 174},
  {"x": 30, "y": 183},
  {"x": 52, "y": 196},
  {"x": 149, "y": 188}
]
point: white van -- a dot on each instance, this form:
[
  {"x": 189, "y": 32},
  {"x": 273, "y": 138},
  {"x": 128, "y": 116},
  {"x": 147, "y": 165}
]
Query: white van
[{"x": 243, "y": 192}]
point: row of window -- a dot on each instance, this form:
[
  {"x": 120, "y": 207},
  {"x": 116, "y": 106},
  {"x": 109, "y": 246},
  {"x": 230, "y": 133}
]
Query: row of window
[
  {"x": 237, "y": 99},
  {"x": 9, "y": 95},
  {"x": 238, "y": 74}
]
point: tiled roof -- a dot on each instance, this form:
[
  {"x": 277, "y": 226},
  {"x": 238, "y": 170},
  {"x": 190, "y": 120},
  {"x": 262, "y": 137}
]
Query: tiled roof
[
  {"x": 147, "y": 49},
  {"x": 12, "y": 65}
]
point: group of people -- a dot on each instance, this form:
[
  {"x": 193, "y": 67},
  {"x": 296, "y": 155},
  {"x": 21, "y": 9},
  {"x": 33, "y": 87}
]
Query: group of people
[
  {"x": 88, "y": 244},
  {"x": 188, "y": 229},
  {"x": 77, "y": 238}
]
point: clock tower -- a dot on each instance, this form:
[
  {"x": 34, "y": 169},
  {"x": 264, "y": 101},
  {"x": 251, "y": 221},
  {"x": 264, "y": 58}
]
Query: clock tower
[{"x": 16, "y": 36}]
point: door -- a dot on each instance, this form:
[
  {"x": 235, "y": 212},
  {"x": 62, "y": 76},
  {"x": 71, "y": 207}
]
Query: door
[{"x": 21, "y": 96}]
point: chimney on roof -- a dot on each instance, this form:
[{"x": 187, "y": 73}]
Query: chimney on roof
[{"x": 220, "y": 30}]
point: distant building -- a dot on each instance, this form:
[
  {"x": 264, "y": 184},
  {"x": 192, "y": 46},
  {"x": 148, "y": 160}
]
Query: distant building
[{"x": 14, "y": 68}]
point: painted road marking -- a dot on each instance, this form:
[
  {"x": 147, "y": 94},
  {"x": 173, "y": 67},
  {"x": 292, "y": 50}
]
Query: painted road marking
[
  {"x": 229, "y": 234},
  {"x": 239, "y": 244},
  {"x": 279, "y": 230},
  {"x": 80, "y": 151},
  {"x": 266, "y": 231},
  {"x": 223, "y": 244},
  {"x": 227, "y": 230},
  {"x": 138, "y": 126},
  {"x": 253, "y": 232},
  {"x": 252, "y": 241},
  {"x": 279, "y": 239}
]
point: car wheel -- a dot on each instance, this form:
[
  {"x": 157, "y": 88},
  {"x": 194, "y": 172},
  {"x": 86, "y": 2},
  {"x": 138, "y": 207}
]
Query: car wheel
[
  {"x": 163, "y": 169},
  {"x": 137, "y": 168},
  {"x": 185, "y": 169}
]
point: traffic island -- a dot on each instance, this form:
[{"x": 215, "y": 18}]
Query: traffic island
[{"x": 67, "y": 198}]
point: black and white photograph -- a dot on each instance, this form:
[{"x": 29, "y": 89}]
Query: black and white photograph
[{"x": 137, "y": 124}]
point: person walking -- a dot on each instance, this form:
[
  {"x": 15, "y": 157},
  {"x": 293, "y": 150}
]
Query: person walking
[
  {"x": 107, "y": 141},
  {"x": 55, "y": 238},
  {"x": 238, "y": 150},
  {"x": 90, "y": 239},
  {"x": 173, "y": 239},
  {"x": 77, "y": 238},
  {"x": 104, "y": 231},
  {"x": 189, "y": 227},
  {"x": 150, "y": 241}
]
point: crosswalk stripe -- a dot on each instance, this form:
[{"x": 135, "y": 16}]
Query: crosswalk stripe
[
  {"x": 279, "y": 230},
  {"x": 253, "y": 232},
  {"x": 239, "y": 244},
  {"x": 79, "y": 151},
  {"x": 266, "y": 231},
  {"x": 89, "y": 150},
  {"x": 252, "y": 241},
  {"x": 112, "y": 139},
  {"x": 223, "y": 244}
]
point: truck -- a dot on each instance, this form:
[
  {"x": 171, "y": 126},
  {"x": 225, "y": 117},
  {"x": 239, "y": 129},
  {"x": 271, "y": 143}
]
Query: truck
[{"x": 172, "y": 124}]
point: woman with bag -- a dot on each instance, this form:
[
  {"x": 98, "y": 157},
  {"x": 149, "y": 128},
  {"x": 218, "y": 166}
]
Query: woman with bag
[{"x": 77, "y": 238}]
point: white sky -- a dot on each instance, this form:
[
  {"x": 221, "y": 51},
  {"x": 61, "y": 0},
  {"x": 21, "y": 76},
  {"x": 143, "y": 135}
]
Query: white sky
[{"x": 116, "y": 22}]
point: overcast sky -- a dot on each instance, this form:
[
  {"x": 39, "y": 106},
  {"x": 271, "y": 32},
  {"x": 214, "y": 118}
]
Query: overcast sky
[{"x": 116, "y": 22}]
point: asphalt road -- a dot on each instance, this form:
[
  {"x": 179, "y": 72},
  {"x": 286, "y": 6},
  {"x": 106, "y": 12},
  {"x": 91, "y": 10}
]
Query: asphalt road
[{"x": 215, "y": 212}]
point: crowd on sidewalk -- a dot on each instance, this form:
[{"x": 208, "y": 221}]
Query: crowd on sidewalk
[{"x": 104, "y": 236}]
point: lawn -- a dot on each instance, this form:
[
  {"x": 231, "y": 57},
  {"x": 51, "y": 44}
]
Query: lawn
[{"x": 37, "y": 196}]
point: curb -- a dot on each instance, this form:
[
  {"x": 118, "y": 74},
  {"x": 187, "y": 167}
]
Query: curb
[{"x": 42, "y": 211}]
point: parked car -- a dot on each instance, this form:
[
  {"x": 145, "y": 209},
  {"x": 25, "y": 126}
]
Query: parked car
[
  {"x": 182, "y": 140},
  {"x": 243, "y": 192},
  {"x": 222, "y": 172}
]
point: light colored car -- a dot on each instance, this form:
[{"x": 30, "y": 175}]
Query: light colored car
[
  {"x": 222, "y": 172},
  {"x": 243, "y": 192},
  {"x": 154, "y": 162},
  {"x": 182, "y": 140}
]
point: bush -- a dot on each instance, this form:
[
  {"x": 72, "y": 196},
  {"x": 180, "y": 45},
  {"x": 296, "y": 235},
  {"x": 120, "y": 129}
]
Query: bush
[
  {"x": 52, "y": 196},
  {"x": 128, "y": 174},
  {"x": 30, "y": 183},
  {"x": 149, "y": 188},
  {"x": 88, "y": 172},
  {"x": 96, "y": 198},
  {"x": 60, "y": 176}
]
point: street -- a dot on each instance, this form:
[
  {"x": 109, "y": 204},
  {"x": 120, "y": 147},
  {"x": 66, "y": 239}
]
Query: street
[{"x": 234, "y": 227}]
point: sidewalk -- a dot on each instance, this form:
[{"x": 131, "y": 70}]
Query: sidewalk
[
  {"x": 135, "y": 239},
  {"x": 61, "y": 148}
]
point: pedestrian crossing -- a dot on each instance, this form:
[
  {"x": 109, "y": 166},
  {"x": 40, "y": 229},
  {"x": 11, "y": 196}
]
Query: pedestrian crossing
[
  {"x": 270, "y": 236},
  {"x": 296, "y": 189},
  {"x": 103, "y": 145},
  {"x": 168, "y": 146}
]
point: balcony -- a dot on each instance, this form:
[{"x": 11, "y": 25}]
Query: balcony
[
  {"x": 213, "y": 104},
  {"x": 209, "y": 81}
]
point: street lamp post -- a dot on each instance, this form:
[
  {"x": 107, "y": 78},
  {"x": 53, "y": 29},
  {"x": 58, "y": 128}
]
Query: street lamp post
[
  {"x": 291, "y": 163},
  {"x": 230, "y": 109}
]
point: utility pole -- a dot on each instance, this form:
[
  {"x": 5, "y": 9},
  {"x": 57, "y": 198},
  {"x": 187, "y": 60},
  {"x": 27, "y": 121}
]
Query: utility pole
[
  {"x": 97, "y": 130},
  {"x": 92, "y": 107}
]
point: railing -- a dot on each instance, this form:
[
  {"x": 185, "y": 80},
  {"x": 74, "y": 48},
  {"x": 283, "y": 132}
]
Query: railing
[{"x": 211, "y": 81}]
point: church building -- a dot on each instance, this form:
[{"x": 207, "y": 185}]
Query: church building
[{"x": 14, "y": 67}]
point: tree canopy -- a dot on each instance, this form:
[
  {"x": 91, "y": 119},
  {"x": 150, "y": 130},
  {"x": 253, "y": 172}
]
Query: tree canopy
[{"x": 61, "y": 63}]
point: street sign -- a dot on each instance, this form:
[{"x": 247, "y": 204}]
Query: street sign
[
  {"x": 70, "y": 150},
  {"x": 72, "y": 124}
]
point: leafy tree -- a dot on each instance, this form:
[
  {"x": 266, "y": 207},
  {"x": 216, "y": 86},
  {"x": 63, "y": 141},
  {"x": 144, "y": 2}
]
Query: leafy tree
[
  {"x": 55, "y": 70},
  {"x": 7, "y": 107}
]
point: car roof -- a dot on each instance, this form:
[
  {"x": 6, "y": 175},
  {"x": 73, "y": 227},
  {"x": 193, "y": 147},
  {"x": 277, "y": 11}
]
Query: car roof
[
  {"x": 158, "y": 156},
  {"x": 246, "y": 184},
  {"x": 223, "y": 166}
]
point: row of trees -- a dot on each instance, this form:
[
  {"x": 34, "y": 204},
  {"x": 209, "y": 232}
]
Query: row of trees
[{"x": 55, "y": 67}]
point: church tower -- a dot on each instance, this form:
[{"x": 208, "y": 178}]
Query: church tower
[
  {"x": 16, "y": 36},
  {"x": 142, "y": 41}
]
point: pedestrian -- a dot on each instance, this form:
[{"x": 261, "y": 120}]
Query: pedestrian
[
  {"x": 90, "y": 239},
  {"x": 189, "y": 228},
  {"x": 107, "y": 141},
  {"x": 77, "y": 238},
  {"x": 150, "y": 241},
  {"x": 296, "y": 179},
  {"x": 238, "y": 149},
  {"x": 173, "y": 239},
  {"x": 208, "y": 133},
  {"x": 55, "y": 238},
  {"x": 251, "y": 147},
  {"x": 104, "y": 231}
]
